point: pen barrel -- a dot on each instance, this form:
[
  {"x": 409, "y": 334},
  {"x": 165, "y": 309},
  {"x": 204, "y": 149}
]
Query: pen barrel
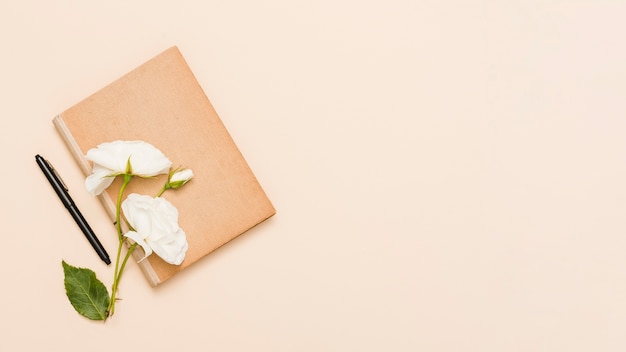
[
  {"x": 91, "y": 236},
  {"x": 61, "y": 191}
]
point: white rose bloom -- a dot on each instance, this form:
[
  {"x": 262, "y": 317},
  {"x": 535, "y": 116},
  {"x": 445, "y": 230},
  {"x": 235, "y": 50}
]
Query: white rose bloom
[
  {"x": 110, "y": 159},
  {"x": 181, "y": 177},
  {"x": 155, "y": 221}
]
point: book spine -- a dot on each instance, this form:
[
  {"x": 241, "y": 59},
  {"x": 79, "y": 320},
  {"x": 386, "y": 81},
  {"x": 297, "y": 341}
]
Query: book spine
[{"x": 106, "y": 201}]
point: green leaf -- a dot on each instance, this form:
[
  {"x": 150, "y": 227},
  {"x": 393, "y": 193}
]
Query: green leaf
[{"x": 86, "y": 293}]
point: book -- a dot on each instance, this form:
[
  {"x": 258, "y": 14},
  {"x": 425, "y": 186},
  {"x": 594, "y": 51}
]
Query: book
[{"x": 162, "y": 103}]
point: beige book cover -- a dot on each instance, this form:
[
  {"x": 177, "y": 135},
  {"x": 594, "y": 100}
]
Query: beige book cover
[{"x": 161, "y": 103}]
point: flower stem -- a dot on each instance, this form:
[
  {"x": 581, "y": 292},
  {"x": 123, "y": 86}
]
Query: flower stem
[
  {"x": 118, "y": 225},
  {"x": 130, "y": 251},
  {"x": 118, "y": 208},
  {"x": 163, "y": 189},
  {"x": 116, "y": 281}
]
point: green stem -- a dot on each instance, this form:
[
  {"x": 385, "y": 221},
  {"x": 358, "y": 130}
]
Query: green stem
[
  {"x": 130, "y": 251},
  {"x": 118, "y": 208},
  {"x": 118, "y": 221},
  {"x": 118, "y": 225},
  {"x": 116, "y": 281},
  {"x": 163, "y": 189},
  {"x": 111, "y": 307}
]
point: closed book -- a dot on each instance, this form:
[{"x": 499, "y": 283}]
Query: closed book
[{"x": 162, "y": 103}]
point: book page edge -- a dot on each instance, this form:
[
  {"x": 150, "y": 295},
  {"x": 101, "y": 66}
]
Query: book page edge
[{"x": 106, "y": 201}]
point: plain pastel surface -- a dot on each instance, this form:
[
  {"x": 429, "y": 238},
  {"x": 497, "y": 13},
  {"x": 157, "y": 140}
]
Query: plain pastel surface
[{"x": 448, "y": 175}]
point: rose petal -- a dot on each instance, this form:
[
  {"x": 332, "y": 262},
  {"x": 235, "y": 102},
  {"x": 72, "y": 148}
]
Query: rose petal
[
  {"x": 155, "y": 223},
  {"x": 137, "y": 209},
  {"x": 173, "y": 249},
  {"x": 98, "y": 181},
  {"x": 146, "y": 159},
  {"x": 182, "y": 175},
  {"x": 137, "y": 238}
]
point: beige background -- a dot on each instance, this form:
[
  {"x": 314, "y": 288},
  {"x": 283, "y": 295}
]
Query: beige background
[{"x": 448, "y": 175}]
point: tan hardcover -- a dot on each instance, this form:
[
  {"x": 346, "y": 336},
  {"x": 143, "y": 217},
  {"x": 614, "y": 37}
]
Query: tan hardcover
[{"x": 161, "y": 102}]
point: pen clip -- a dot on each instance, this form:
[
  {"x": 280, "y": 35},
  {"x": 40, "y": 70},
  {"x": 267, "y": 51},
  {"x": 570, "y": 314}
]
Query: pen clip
[{"x": 58, "y": 177}]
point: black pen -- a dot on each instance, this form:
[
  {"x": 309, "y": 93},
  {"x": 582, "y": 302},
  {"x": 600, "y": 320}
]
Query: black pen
[{"x": 62, "y": 191}]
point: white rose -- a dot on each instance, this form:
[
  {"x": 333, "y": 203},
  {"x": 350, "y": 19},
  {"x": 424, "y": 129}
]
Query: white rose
[
  {"x": 110, "y": 159},
  {"x": 155, "y": 224},
  {"x": 179, "y": 178}
]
